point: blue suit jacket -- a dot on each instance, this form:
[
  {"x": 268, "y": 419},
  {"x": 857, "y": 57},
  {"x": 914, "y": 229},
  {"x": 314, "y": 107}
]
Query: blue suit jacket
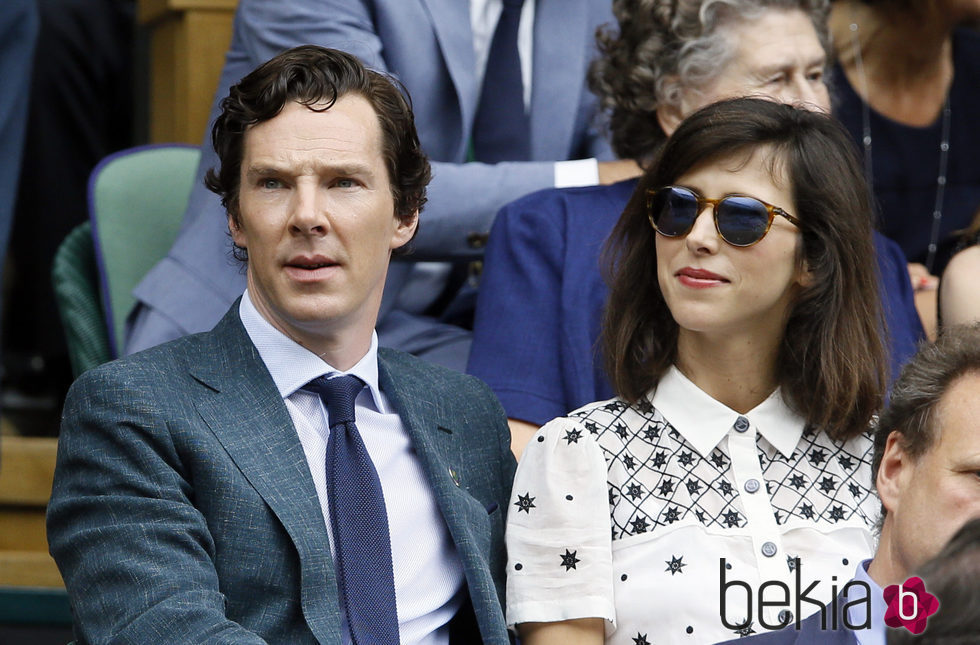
[
  {"x": 428, "y": 45},
  {"x": 183, "y": 509}
]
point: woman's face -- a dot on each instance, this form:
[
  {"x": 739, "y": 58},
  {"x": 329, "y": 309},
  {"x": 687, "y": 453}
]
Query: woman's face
[
  {"x": 777, "y": 56},
  {"x": 721, "y": 290}
]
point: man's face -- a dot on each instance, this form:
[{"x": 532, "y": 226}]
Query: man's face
[
  {"x": 318, "y": 219},
  {"x": 937, "y": 493}
]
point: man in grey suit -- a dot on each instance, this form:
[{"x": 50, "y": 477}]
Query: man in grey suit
[
  {"x": 438, "y": 50},
  {"x": 280, "y": 479}
]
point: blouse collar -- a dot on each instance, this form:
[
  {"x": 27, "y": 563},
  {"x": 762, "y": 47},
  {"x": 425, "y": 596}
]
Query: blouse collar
[{"x": 703, "y": 421}]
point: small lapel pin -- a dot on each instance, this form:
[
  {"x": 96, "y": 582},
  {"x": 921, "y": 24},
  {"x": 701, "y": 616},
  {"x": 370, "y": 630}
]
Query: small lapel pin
[{"x": 454, "y": 475}]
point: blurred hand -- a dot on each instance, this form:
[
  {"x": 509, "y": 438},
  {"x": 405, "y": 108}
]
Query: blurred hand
[{"x": 921, "y": 279}]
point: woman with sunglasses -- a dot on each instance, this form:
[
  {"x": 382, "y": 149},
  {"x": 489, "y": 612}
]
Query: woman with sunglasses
[
  {"x": 541, "y": 291},
  {"x": 742, "y": 336}
]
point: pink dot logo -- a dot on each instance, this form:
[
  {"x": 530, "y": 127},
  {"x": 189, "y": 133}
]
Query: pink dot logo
[{"x": 909, "y": 605}]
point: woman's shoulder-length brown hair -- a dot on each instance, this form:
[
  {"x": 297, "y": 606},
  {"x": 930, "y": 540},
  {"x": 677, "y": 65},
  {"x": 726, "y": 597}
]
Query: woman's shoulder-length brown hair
[{"x": 831, "y": 364}]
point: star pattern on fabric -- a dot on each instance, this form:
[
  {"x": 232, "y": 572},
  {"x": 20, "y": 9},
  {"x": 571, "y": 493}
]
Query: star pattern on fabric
[
  {"x": 640, "y": 639},
  {"x": 827, "y": 484},
  {"x": 525, "y": 503},
  {"x": 614, "y": 406},
  {"x": 791, "y": 562},
  {"x": 644, "y": 406},
  {"x": 675, "y": 565},
  {"x": 640, "y": 525},
  {"x": 651, "y": 432},
  {"x": 635, "y": 491},
  {"x": 718, "y": 459},
  {"x": 745, "y": 631},
  {"x": 656, "y": 475},
  {"x": 569, "y": 560},
  {"x": 818, "y": 456},
  {"x": 622, "y": 431}
]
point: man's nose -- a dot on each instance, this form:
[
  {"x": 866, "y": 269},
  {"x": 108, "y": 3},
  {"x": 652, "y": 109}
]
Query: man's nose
[{"x": 309, "y": 213}]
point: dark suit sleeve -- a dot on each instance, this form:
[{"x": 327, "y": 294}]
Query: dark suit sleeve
[{"x": 136, "y": 555}]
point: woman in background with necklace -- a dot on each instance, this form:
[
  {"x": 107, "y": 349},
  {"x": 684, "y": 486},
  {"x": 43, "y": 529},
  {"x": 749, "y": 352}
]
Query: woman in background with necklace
[{"x": 908, "y": 89}]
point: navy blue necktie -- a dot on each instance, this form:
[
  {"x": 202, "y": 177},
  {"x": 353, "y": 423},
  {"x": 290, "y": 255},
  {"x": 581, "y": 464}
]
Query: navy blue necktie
[
  {"x": 359, "y": 519},
  {"x": 502, "y": 130}
]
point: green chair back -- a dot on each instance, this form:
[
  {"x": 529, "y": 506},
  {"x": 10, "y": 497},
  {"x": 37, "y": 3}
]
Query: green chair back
[
  {"x": 76, "y": 291},
  {"x": 137, "y": 199}
]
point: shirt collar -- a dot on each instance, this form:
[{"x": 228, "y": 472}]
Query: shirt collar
[
  {"x": 875, "y": 635},
  {"x": 703, "y": 421},
  {"x": 292, "y": 366}
]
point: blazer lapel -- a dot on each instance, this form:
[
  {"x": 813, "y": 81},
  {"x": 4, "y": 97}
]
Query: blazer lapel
[
  {"x": 245, "y": 412},
  {"x": 451, "y": 22},
  {"x": 442, "y": 455},
  {"x": 561, "y": 54}
]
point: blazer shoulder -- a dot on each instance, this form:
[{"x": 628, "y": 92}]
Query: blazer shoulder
[{"x": 403, "y": 365}]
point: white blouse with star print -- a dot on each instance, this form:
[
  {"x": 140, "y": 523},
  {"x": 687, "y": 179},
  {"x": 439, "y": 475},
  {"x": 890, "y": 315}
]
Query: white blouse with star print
[{"x": 636, "y": 514}]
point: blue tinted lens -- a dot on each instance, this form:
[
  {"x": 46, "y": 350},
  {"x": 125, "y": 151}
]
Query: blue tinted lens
[
  {"x": 674, "y": 211},
  {"x": 742, "y": 221}
]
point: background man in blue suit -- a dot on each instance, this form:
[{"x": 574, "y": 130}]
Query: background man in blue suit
[
  {"x": 438, "y": 49},
  {"x": 926, "y": 460},
  {"x": 228, "y": 486}
]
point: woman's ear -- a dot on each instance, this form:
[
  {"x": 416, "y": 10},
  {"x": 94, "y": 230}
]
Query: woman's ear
[{"x": 806, "y": 279}]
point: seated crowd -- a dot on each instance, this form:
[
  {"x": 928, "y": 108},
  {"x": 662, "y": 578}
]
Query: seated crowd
[{"x": 729, "y": 419}]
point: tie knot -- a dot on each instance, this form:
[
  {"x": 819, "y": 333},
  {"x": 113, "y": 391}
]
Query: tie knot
[{"x": 338, "y": 395}]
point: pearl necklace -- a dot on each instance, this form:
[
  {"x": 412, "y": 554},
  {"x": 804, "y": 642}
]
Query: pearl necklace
[{"x": 937, "y": 211}]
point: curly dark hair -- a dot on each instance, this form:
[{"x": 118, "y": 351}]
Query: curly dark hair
[
  {"x": 317, "y": 77},
  {"x": 831, "y": 364},
  {"x": 663, "y": 47}
]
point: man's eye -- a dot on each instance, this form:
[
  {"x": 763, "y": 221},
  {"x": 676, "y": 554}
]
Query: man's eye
[
  {"x": 345, "y": 183},
  {"x": 816, "y": 75},
  {"x": 270, "y": 183}
]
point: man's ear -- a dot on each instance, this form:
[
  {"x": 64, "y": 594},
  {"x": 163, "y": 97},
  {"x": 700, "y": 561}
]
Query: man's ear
[
  {"x": 404, "y": 230},
  {"x": 237, "y": 235},
  {"x": 893, "y": 472}
]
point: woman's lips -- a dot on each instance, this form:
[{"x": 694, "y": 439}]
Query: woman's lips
[{"x": 699, "y": 278}]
